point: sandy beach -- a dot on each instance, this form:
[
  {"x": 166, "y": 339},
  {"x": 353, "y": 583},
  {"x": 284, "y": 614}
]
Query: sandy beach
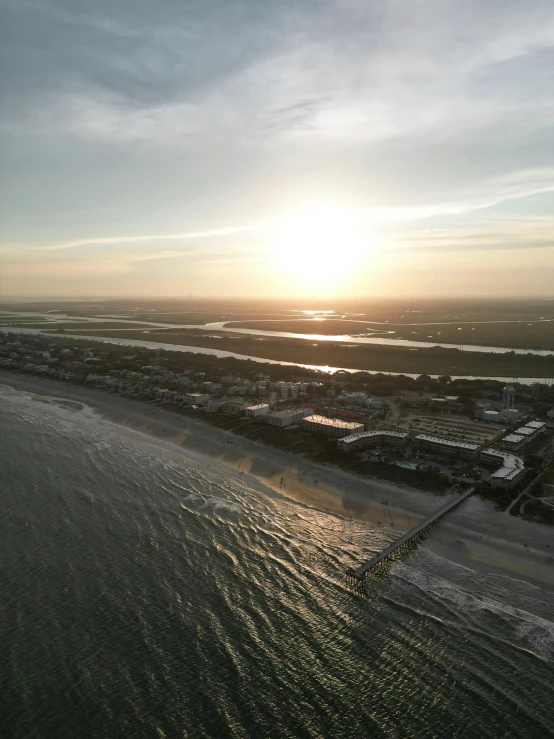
[{"x": 475, "y": 535}]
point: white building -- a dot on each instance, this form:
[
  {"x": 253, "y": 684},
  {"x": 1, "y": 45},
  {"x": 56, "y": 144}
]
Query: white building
[
  {"x": 530, "y": 431},
  {"x": 286, "y": 417},
  {"x": 510, "y": 471},
  {"x": 446, "y": 446},
  {"x": 506, "y": 477},
  {"x": 491, "y": 416},
  {"x": 331, "y": 426},
  {"x": 368, "y": 439},
  {"x": 513, "y": 442},
  {"x": 510, "y": 415},
  {"x": 255, "y": 411},
  {"x": 538, "y": 426}
]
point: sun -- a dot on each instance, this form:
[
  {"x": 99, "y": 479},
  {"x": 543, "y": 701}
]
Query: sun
[{"x": 322, "y": 243}]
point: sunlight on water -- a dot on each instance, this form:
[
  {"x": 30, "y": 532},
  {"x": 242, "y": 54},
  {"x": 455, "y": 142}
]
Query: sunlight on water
[{"x": 171, "y": 596}]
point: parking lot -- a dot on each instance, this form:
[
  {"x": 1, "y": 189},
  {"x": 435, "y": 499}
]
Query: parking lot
[{"x": 457, "y": 428}]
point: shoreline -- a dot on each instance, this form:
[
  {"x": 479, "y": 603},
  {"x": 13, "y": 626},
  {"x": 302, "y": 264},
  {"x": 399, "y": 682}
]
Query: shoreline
[{"x": 479, "y": 537}]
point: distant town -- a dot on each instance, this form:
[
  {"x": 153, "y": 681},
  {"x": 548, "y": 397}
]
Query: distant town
[{"x": 434, "y": 434}]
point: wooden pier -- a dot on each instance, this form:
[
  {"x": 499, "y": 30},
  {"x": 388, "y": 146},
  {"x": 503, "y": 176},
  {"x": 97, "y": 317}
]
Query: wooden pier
[{"x": 405, "y": 541}]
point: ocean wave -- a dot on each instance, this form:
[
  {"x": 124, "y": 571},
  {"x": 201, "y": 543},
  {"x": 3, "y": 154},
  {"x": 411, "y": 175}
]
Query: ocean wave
[
  {"x": 213, "y": 502},
  {"x": 471, "y": 601}
]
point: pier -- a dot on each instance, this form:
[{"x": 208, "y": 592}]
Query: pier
[{"x": 405, "y": 541}]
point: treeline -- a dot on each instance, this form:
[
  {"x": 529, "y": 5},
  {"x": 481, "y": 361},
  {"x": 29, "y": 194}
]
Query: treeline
[{"x": 377, "y": 384}]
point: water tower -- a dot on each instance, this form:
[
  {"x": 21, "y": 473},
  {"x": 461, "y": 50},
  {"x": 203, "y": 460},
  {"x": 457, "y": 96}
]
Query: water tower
[{"x": 509, "y": 397}]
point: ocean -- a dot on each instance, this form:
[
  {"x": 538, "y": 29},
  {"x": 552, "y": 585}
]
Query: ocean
[{"x": 147, "y": 591}]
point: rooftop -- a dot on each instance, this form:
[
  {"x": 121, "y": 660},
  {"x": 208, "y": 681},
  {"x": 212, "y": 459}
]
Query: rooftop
[
  {"x": 509, "y": 460},
  {"x": 513, "y": 438},
  {"x": 525, "y": 431},
  {"x": 535, "y": 425},
  {"x": 447, "y": 442},
  {"x": 286, "y": 412},
  {"x": 369, "y": 434},
  {"x": 506, "y": 473},
  {"x": 335, "y": 422}
]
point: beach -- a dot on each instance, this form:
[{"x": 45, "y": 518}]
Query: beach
[
  {"x": 475, "y": 535},
  {"x": 148, "y": 580}
]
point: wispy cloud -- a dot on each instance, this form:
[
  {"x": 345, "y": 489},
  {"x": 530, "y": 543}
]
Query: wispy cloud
[{"x": 187, "y": 236}]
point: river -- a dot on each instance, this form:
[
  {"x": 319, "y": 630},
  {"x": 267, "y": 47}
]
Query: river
[
  {"x": 221, "y": 353},
  {"x": 350, "y": 338}
]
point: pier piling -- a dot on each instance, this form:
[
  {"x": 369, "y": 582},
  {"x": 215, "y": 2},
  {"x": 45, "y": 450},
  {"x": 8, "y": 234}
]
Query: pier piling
[{"x": 403, "y": 544}]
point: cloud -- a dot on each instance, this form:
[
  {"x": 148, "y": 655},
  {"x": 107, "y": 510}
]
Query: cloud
[
  {"x": 135, "y": 117},
  {"x": 112, "y": 240}
]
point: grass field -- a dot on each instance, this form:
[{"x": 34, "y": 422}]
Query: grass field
[
  {"x": 519, "y": 323},
  {"x": 76, "y": 326},
  {"x": 514, "y": 334}
]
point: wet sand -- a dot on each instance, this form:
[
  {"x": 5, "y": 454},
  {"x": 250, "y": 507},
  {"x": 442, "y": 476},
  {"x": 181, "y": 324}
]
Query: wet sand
[{"x": 474, "y": 535}]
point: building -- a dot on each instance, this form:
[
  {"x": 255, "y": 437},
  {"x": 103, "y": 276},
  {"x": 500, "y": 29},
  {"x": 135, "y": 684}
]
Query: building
[
  {"x": 255, "y": 411},
  {"x": 510, "y": 415},
  {"x": 506, "y": 477},
  {"x": 361, "y": 399},
  {"x": 445, "y": 400},
  {"x": 538, "y": 426},
  {"x": 286, "y": 417},
  {"x": 513, "y": 442},
  {"x": 445, "y": 446},
  {"x": 491, "y": 416},
  {"x": 509, "y": 397},
  {"x": 353, "y": 398},
  {"x": 196, "y": 398},
  {"x": 211, "y": 387},
  {"x": 529, "y": 432},
  {"x": 510, "y": 470},
  {"x": 368, "y": 439},
  {"x": 375, "y": 404},
  {"x": 331, "y": 426}
]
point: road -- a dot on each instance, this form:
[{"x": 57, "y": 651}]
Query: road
[
  {"x": 393, "y": 414},
  {"x": 525, "y": 490}
]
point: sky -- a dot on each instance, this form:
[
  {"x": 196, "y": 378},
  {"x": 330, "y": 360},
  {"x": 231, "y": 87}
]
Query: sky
[{"x": 255, "y": 147}]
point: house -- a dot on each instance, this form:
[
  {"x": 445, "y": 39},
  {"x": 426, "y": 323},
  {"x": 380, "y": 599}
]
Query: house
[{"x": 255, "y": 411}]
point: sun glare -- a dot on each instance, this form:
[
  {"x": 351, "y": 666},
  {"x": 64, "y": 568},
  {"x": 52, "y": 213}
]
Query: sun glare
[{"x": 322, "y": 243}]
